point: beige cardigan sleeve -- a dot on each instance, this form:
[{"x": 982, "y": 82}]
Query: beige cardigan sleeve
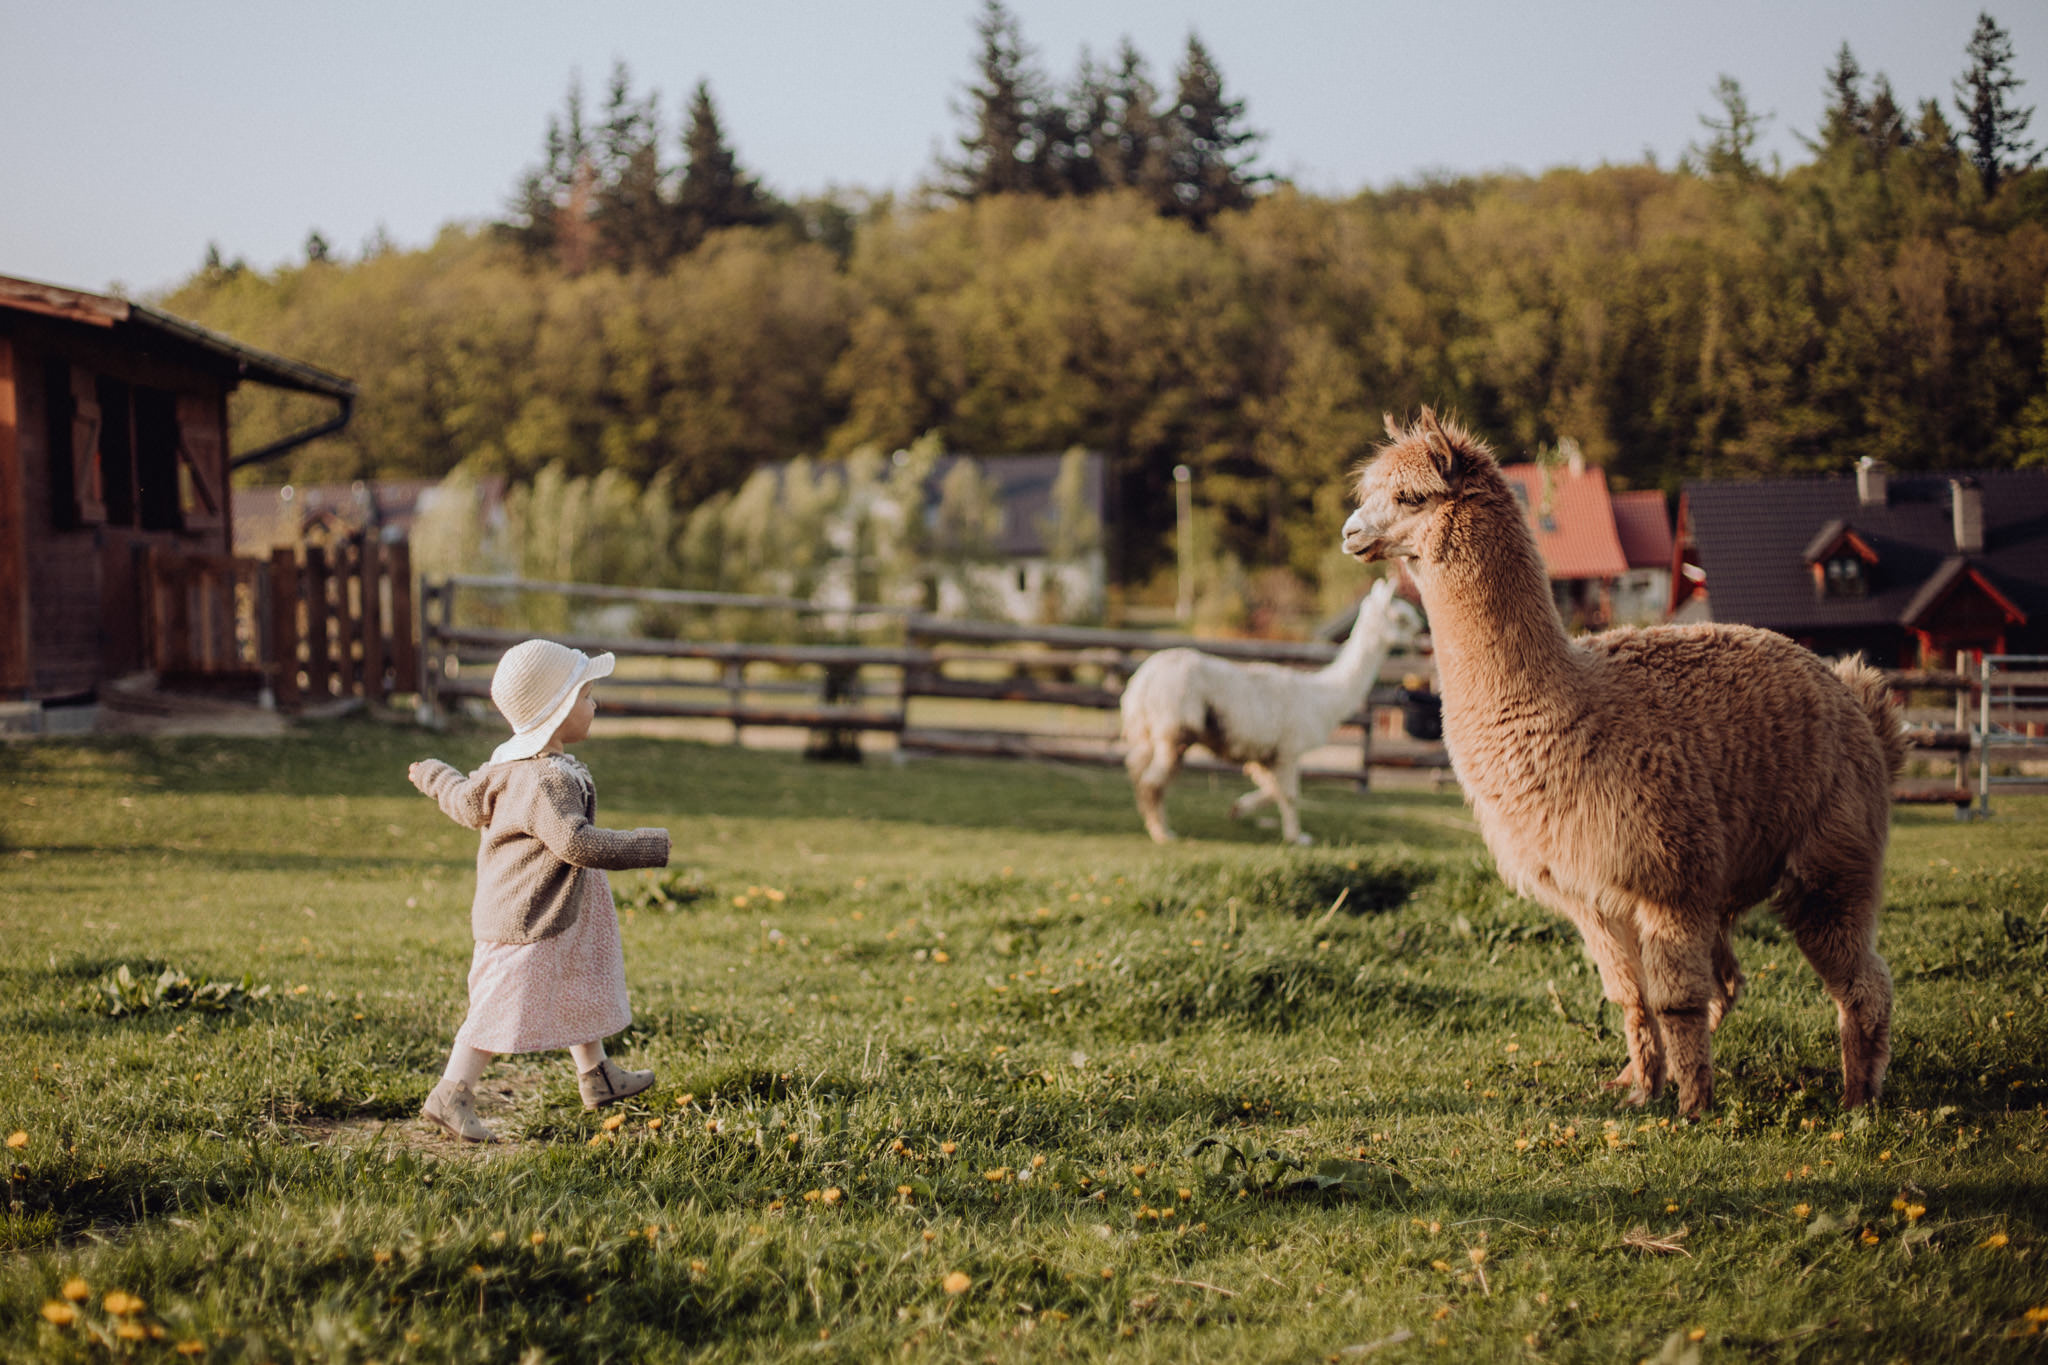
[
  {"x": 460, "y": 797},
  {"x": 559, "y": 821}
]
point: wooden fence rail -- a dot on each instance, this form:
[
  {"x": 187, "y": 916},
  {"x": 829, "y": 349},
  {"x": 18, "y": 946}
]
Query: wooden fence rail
[{"x": 847, "y": 689}]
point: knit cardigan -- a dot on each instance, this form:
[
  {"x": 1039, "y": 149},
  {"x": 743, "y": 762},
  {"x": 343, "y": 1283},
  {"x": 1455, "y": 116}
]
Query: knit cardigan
[{"x": 538, "y": 842}]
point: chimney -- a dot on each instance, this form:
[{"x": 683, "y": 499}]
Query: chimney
[
  {"x": 1870, "y": 482},
  {"x": 1969, "y": 515}
]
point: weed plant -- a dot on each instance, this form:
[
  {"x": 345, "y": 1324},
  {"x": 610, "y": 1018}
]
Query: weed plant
[{"x": 956, "y": 1066}]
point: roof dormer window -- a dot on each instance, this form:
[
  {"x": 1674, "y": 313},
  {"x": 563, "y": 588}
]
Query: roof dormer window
[{"x": 1843, "y": 577}]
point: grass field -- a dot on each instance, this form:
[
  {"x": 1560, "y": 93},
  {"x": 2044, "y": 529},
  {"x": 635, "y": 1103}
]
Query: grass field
[{"x": 939, "y": 1048}]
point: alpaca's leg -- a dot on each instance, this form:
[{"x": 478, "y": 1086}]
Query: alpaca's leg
[
  {"x": 1265, "y": 791},
  {"x": 1261, "y": 794},
  {"x": 1614, "y": 951},
  {"x": 1152, "y": 766},
  {"x": 1832, "y": 914},
  {"x": 1728, "y": 978},
  {"x": 1288, "y": 775},
  {"x": 1679, "y": 955}
]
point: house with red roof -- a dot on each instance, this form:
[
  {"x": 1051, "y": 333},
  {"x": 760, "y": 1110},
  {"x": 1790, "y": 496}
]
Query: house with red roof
[{"x": 1608, "y": 554}]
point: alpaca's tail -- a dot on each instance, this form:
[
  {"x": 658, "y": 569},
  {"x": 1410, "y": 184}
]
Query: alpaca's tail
[{"x": 1876, "y": 695}]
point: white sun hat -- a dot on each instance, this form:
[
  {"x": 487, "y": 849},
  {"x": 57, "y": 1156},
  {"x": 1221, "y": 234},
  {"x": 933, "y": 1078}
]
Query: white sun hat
[{"x": 535, "y": 688}]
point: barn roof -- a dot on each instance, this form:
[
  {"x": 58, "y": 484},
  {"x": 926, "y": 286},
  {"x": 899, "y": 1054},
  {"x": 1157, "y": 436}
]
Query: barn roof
[
  {"x": 1643, "y": 524},
  {"x": 101, "y": 310}
]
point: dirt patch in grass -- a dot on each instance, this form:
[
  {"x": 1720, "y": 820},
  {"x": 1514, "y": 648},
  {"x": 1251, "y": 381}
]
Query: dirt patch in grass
[{"x": 507, "y": 1100}]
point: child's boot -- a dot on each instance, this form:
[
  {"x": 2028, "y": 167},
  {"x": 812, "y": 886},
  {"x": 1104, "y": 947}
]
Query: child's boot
[
  {"x": 452, "y": 1107},
  {"x": 608, "y": 1081}
]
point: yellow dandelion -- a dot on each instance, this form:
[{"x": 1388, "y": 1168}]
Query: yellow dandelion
[
  {"x": 1995, "y": 1241},
  {"x": 1185, "y": 1194},
  {"x": 1915, "y": 1212},
  {"x": 2037, "y": 1314},
  {"x": 17, "y": 1139},
  {"x": 538, "y": 1238},
  {"x": 948, "y": 1148},
  {"x": 191, "y": 1346},
  {"x": 654, "y": 1125},
  {"x": 1696, "y": 1334},
  {"x": 75, "y": 1290},
  {"x": 612, "y": 1124},
  {"x": 1477, "y": 1255},
  {"x": 1869, "y": 1238},
  {"x": 60, "y": 1313},
  {"x": 597, "y": 1139},
  {"x": 696, "y": 1267},
  {"x": 1671, "y": 1208},
  {"x": 956, "y": 1283},
  {"x": 1444, "y": 1266},
  {"x": 381, "y": 1256},
  {"x": 834, "y": 1195},
  {"x": 1521, "y": 1144},
  {"x": 1108, "y": 1274},
  {"x": 122, "y": 1305},
  {"x": 1801, "y": 1210},
  {"x": 130, "y": 1331}
]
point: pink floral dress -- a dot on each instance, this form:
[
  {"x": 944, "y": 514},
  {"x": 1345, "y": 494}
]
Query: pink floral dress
[{"x": 554, "y": 993}]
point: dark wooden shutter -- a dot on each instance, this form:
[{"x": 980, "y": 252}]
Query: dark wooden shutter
[
  {"x": 88, "y": 489},
  {"x": 203, "y": 454}
]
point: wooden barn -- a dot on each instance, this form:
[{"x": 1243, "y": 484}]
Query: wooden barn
[{"x": 115, "y": 454}]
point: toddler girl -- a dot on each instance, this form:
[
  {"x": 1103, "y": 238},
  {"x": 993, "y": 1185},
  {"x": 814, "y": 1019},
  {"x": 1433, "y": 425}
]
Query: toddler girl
[{"x": 547, "y": 970}]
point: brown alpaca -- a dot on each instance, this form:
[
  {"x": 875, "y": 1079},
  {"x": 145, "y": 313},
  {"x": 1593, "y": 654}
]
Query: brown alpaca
[{"x": 1649, "y": 785}]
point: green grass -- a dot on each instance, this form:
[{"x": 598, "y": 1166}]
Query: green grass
[{"x": 945, "y": 977}]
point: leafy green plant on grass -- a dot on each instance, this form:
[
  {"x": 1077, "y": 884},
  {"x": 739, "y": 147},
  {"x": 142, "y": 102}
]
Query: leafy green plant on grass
[
  {"x": 121, "y": 993},
  {"x": 1239, "y": 1162}
]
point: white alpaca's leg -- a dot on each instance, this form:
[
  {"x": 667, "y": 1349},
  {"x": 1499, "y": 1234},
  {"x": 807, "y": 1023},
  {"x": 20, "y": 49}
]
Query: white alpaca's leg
[
  {"x": 1266, "y": 791},
  {"x": 1259, "y": 796},
  {"x": 1152, "y": 764},
  {"x": 1288, "y": 774}
]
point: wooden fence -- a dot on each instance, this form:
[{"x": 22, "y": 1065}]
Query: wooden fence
[
  {"x": 838, "y": 691},
  {"x": 329, "y": 623},
  {"x": 841, "y": 690}
]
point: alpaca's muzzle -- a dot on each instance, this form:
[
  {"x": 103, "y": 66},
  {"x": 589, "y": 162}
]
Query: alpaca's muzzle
[{"x": 1359, "y": 540}]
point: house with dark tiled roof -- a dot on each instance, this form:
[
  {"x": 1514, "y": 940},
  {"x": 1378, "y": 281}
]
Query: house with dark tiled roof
[
  {"x": 1909, "y": 569},
  {"x": 1608, "y": 554}
]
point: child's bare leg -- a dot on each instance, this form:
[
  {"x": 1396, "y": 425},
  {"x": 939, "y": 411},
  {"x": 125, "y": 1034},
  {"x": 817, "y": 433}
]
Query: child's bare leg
[{"x": 587, "y": 1056}]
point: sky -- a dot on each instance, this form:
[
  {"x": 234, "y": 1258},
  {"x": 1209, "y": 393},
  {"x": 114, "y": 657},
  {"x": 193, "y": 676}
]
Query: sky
[{"x": 136, "y": 132}]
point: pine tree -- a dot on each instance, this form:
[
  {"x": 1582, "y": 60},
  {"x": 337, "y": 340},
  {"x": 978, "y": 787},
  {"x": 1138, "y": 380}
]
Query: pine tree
[
  {"x": 1992, "y": 125},
  {"x": 1131, "y": 142},
  {"x": 715, "y": 192},
  {"x": 550, "y": 213},
  {"x": 630, "y": 207},
  {"x": 1074, "y": 131},
  {"x": 1208, "y": 156},
  {"x": 1004, "y": 152},
  {"x": 1729, "y": 151},
  {"x": 318, "y": 249},
  {"x": 1843, "y": 123},
  {"x": 1884, "y": 122}
]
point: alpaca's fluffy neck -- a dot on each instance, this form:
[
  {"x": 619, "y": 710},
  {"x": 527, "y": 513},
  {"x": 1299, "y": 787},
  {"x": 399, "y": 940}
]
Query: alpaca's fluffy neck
[
  {"x": 1494, "y": 626},
  {"x": 1351, "y": 672}
]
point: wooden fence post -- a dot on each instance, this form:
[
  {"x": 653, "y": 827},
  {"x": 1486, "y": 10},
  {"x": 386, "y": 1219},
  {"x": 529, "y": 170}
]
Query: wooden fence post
[
  {"x": 369, "y": 584},
  {"x": 405, "y": 661},
  {"x": 284, "y": 626},
  {"x": 319, "y": 661},
  {"x": 346, "y": 622},
  {"x": 177, "y": 619}
]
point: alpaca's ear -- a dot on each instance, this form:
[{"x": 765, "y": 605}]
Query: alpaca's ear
[
  {"x": 1394, "y": 431},
  {"x": 1446, "y": 454}
]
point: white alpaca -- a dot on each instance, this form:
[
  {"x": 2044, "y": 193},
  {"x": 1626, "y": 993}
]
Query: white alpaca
[{"x": 1262, "y": 715}]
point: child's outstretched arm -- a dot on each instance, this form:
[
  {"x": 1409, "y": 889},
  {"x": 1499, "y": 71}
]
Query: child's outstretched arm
[
  {"x": 559, "y": 822},
  {"x": 459, "y": 797}
]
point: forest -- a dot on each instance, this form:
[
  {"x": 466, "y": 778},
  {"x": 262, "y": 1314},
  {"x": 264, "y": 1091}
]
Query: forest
[{"x": 1103, "y": 265}]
